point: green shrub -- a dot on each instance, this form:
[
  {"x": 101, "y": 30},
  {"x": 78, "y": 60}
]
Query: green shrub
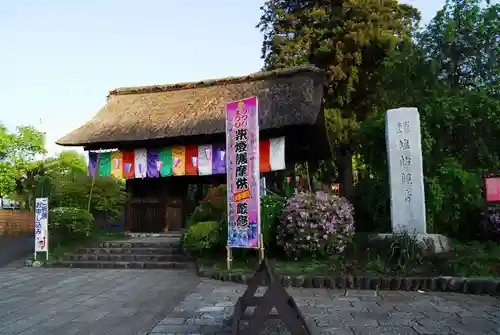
[
  {"x": 201, "y": 238},
  {"x": 70, "y": 223},
  {"x": 211, "y": 208},
  {"x": 202, "y": 212},
  {"x": 271, "y": 207}
]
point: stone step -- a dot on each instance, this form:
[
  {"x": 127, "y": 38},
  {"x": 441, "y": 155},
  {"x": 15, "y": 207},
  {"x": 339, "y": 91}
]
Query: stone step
[
  {"x": 127, "y": 257},
  {"x": 138, "y": 250},
  {"x": 124, "y": 265},
  {"x": 175, "y": 234},
  {"x": 168, "y": 243}
]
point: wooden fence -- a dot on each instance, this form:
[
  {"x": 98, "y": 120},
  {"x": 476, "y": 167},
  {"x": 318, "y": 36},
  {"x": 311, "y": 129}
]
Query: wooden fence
[{"x": 14, "y": 222}]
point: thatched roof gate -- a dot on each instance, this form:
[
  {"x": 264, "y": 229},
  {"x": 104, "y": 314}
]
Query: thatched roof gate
[{"x": 195, "y": 112}]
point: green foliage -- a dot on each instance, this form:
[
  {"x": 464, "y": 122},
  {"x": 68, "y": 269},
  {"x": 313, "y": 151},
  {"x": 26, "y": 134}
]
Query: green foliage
[
  {"x": 271, "y": 207},
  {"x": 70, "y": 223},
  {"x": 404, "y": 251},
  {"x": 202, "y": 212},
  {"x": 211, "y": 208},
  {"x": 201, "y": 238},
  {"x": 315, "y": 225},
  {"x": 17, "y": 152},
  {"x": 348, "y": 39},
  {"x": 68, "y": 165},
  {"x": 108, "y": 195},
  {"x": 464, "y": 39}
]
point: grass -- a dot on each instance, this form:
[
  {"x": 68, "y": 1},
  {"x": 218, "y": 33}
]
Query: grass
[
  {"x": 58, "y": 249},
  {"x": 472, "y": 259}
]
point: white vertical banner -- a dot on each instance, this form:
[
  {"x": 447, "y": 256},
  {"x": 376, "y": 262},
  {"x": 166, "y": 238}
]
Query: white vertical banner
[{"x": 42, "y": 226}]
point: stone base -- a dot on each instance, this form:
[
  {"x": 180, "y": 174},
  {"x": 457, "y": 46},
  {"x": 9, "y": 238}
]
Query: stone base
[{"x": 429, "y": 243}]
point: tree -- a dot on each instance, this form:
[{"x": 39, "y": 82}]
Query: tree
[
  {"x": 42, "y": 177},
  {"x": 108, "y": 195},
  {"x": 349, "y": 39},
  {"x": 17, "y": 152},
  {"x": 67, "y": 165},
  {"x": 464, "y": 38}
]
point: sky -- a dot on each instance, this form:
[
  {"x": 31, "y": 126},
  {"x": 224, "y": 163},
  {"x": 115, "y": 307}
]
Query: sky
[{"x": 59, "y": 58}]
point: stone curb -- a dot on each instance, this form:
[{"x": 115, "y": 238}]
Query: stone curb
[{"x": 433, "y": 284}]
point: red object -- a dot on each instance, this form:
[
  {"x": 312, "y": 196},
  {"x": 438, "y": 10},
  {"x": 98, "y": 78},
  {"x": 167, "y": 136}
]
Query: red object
[
  {"x": 265, "y": 156},
  {"x": 191, "y": 160},
  {"x": 128, "y": 164},
  {"x": 492, "y": 189}
]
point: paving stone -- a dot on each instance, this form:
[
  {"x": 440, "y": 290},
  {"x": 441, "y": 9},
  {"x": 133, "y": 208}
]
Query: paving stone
[
  {"x": 134, "y": 302},
  {"x": 359, "y": 313},
  {"x": 81, "y": 301}
]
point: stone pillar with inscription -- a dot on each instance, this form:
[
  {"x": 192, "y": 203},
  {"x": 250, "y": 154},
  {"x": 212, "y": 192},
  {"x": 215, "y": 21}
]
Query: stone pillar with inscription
[{"x": 404, "y": 151}]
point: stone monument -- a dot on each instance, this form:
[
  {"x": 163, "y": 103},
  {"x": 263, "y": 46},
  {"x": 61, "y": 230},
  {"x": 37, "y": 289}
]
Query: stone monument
[
  {"x": 404, "y": 151},
  {"x": 406, "y": 177}
]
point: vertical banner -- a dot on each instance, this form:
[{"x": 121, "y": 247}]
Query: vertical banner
[
  {"x": 128, "y": 164},
  {"x": 92, "y": 163},
  {"x": 243, "y": 176},
  {"x": 117, "y": 164},
  {"x": 191, "y": 160},
  {"x": 178, "y": 160},
  {"x": 205, "y": 160},
  {"x": 42, "y": 226}
]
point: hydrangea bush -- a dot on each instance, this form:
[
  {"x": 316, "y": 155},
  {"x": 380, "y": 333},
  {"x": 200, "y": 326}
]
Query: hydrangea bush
[{"x": 315, "y": 224}]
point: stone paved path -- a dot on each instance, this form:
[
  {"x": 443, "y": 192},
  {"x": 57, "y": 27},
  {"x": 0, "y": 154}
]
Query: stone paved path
[
  {"x": 330, "y": 312},
  {"x": 136, "y": 302},
  {"x": 83, "y": 301}
]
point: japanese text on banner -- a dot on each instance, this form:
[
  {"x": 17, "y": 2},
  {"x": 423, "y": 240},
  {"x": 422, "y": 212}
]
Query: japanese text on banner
[
  {"x": 41, "y": 224},
  {"x": 243, "y": 175}
]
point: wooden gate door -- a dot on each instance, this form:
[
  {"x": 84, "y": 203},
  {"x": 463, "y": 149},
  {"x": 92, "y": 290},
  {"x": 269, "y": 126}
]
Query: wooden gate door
[
  {"x": 174, "y": 217},
  {"x": 146, "y": 215}
]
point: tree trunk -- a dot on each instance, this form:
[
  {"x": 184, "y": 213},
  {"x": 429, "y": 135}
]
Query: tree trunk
[{"x": 344, "y": 162}]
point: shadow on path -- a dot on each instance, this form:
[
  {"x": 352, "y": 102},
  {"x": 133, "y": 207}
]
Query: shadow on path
[{"x": 13, "y": 248}]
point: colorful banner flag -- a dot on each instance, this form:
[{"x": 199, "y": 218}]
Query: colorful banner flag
[
  {"x": 178, "y": 161},
  {"x": 105, "y": 164},
  {"x": 205, "y": 160},
  {"x": 140, "y": 163},
  {"x": 277, "y": 157},
  {"x": 93, "y": 163},
  {"x": 243, "y": 176},
  {"x": 154, "y": 164},
  {"x": 128, "y": 165},
  {"x": 117, "y": 164},
  {"x": 191, "y": 160},
  {"x": 166, "y": 162},
  {"x": 264, "y": 153},
  {"x": 218, "y": 159}
]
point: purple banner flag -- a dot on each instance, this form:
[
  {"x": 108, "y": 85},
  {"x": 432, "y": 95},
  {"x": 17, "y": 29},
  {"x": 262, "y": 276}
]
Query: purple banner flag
[
  {"x": 92, "y": 163},
  {"x": 243, "y": 175},
  {"x": 218, "y": 158},
  {"x": 153, "y": 164}
]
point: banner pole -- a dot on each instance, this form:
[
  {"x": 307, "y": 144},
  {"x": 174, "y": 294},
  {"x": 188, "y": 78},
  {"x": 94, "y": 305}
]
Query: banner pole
[
  {"x": 261, "y": 249},
  {"x": 229, "y": 254}
]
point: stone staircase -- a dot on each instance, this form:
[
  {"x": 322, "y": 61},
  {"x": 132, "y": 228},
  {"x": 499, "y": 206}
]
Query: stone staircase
[{"x": 141, "y": 251}]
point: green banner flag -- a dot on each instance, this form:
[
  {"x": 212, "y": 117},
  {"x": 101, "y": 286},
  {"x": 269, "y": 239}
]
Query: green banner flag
[
  {"x": 166, "y": 162},
  {"x": 105, "y": 164}
]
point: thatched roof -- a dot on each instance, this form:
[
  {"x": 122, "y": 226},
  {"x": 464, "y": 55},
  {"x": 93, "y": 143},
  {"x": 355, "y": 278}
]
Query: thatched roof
[{"x": 286, "y": 97}]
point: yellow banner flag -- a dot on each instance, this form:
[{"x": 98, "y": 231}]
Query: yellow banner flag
[
  {"x": 178, "y": 161},
  {"x": 117, "y": 164}
]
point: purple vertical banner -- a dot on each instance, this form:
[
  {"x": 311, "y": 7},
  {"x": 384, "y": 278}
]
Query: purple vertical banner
[
  {"x": 218, "y": 158},
  {"x": 92, "y": 163},
  {"x": 243, "y": 175},
  {"x": 153, "y": 164}
]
